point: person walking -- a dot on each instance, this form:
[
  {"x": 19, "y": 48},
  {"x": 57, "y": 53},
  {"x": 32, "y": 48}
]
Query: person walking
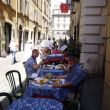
[{"x": 13, "y": 49}]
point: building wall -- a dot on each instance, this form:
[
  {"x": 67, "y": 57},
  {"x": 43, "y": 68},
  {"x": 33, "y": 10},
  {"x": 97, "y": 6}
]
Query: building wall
[
  {"x": 92, "y": 34},
  {"x": 60, "y": 22},
  {"x": 74, "y": 21},
  {"x": 24, "y": 22},
  {"x": 95, "y": 39},
  {"x": 45, "y": 18},
  {"x": 107, "y": 62},
  {"x": 7, "y": 15}
]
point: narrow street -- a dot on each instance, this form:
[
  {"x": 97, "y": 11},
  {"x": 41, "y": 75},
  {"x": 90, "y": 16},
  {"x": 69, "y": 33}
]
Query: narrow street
[{"x": 43, "y": 29}]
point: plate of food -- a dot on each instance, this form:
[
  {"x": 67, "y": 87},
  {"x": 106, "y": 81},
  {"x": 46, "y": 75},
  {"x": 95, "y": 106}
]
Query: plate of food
[
  {"x": 56, "y": 81},
  {"x": 60, "y": 67},
  {"x": 41, "y": 81},
  {"x": 61, "y": 81}
]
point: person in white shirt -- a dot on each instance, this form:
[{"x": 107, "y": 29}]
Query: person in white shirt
[{"x": 13, "y": 49}]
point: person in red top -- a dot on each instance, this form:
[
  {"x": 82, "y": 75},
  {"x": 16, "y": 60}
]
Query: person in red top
[{"x": 56, "y": 50}]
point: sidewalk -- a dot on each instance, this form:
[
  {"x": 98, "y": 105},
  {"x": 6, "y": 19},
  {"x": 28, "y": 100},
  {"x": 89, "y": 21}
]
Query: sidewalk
[
  {"x": 7, "y": 60},
  {"x": 92, "y": 94},
  {"x": 5, "y": 65}
]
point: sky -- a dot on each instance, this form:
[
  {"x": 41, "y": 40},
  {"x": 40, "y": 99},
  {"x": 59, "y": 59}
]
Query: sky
[{"x": 56, "y": 2}]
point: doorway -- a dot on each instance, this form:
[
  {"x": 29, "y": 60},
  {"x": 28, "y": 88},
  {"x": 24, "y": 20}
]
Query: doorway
[
  {"x": 7, "y": 33},
  {"x": 39, "y": 34},
  {"x": 20, "y": 37}
]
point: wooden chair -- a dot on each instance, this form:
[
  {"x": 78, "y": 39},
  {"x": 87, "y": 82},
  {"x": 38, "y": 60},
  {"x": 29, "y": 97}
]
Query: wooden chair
[
  {"x": 17, "y": 91},
  {"x": 8, "y": 96}
]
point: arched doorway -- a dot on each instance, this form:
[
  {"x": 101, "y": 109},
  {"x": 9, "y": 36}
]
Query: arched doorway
[
  {"x": 20, "y": 37},
  {"x": 7, "y": 33}
]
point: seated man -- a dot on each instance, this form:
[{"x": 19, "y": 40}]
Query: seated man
[
  {"x": 75, "y": 74},
  {"x": 31, "y": 65}
]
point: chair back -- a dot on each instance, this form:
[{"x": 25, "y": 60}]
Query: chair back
[
  {"x": 10, "y": 75},
  {"x": 27, "y": 78},
  {"x": 79, "y": 89},
  {"x": 8, "y": 96},
  {"x": 72, "y": 105}
]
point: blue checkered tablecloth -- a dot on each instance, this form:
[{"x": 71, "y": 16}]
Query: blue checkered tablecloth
[
  {"x": 53, "y": 58},
  {"x": 43, "y": 72},
  {"x": 46, "y": 90},
  {"x": 60, "y": 56},
  {"x": 36, "y": 104}
]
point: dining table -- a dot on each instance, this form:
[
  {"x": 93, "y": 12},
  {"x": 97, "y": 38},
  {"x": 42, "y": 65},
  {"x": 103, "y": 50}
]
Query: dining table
[
  {"x": 35, "y": 104},
  {"x": 46, "y": 90},
  {"x": 55, "y": 72},
  {"x": 54, "y": 58}
]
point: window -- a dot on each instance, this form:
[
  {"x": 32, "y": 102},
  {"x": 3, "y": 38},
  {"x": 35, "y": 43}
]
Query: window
[
  {"x": 35, "y": 15},
  {"x": 26, "y": 36},
  {"x": 26, "y": 7},
  {"x": 37, "y": 2},
  {"x": 34, "y": 1},
  {"x": 8, "y": 1},
  {"x": 64, "y": 25},
  {"x": 58, "y": 32},
  {"x": 64, "y": 18},
  {"x": 55, "y": 11},
  {"x": 39, "y": 33},
  {"x": 58, "y": 19},
  {"x": 58, "y": 25},
  {"x": 44, "y": 8},
  {"x": 21, "y": 6},
  {"x": 63, "y": 33}
]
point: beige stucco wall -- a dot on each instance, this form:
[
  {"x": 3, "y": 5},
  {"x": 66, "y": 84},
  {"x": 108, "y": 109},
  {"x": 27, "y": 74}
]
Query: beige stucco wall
[
  {"x": 92, "y": 32},
  {"x": 25, "y": 18}
]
